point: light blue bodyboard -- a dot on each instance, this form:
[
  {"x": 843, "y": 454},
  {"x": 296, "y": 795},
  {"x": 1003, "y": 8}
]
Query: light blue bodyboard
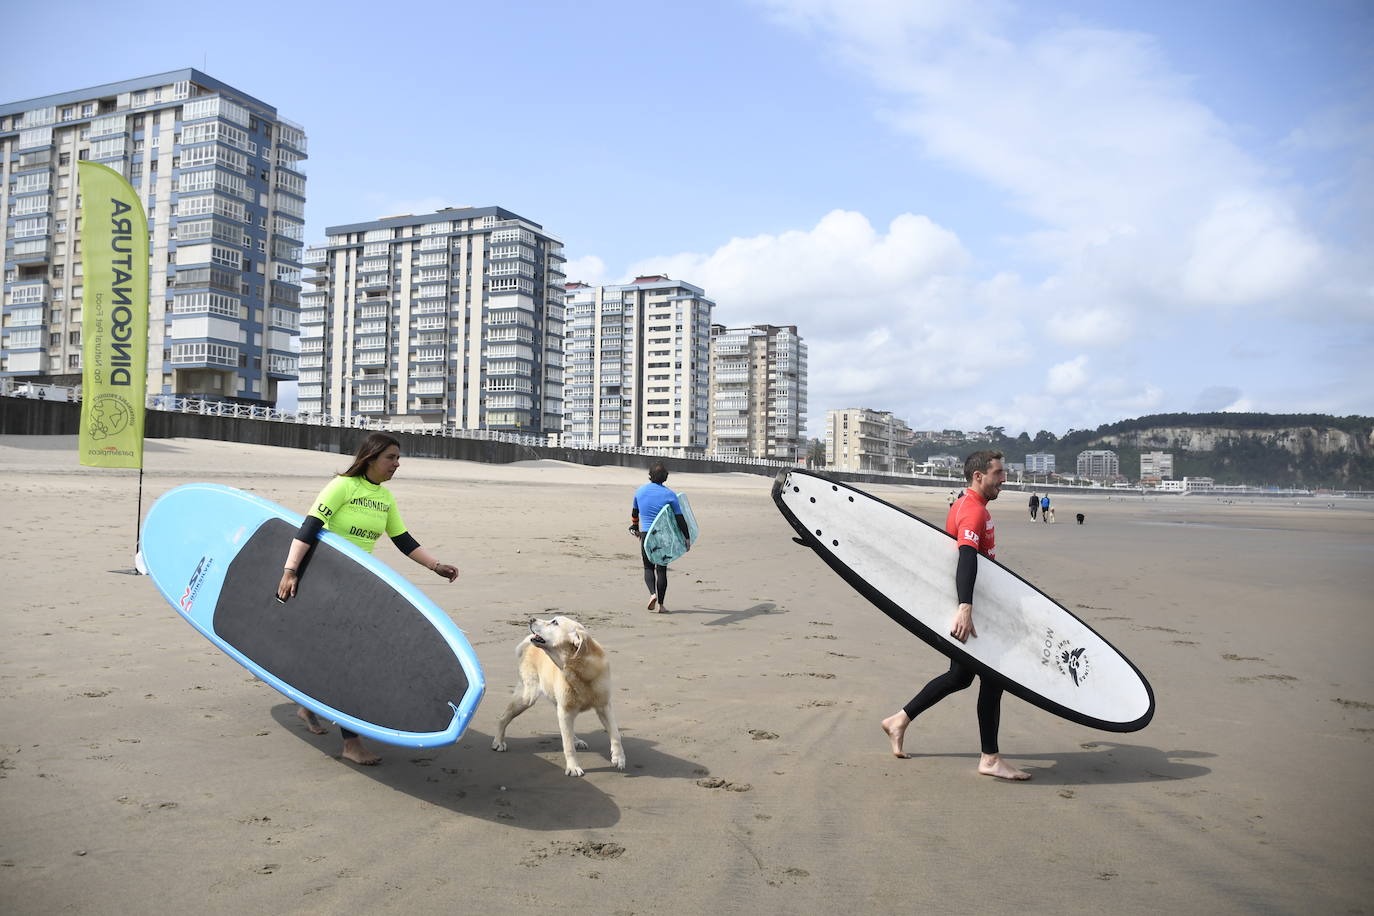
[{"x": 663, "y": 541}]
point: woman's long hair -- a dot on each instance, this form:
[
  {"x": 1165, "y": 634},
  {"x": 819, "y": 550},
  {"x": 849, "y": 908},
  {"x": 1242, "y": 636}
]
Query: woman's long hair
[{"x": 372, "y": 446}]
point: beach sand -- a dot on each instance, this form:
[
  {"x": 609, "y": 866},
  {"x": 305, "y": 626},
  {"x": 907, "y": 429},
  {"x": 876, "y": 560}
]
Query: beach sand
[{"x": 141, "y": 770}]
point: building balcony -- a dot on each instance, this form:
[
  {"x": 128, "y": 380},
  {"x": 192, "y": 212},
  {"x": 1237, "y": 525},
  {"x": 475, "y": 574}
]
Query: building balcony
[
  {"x": 425, "y": 405},
  {"x": 39, "y": 251}
]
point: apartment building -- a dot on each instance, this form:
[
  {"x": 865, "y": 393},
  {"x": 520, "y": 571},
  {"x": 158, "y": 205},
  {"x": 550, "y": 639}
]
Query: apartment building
[
  {"x": 452, "y": 318},
  {"x": 1040, "y": 463},
  {"x": 219, "y": 174},
  {"x": 1098, "y": 464},
  {"x": 860, "y": 439},
  {"x": 638, "y": 364},
  {"x": 1156, "y": 465},
  {"x": 758, "y": 392}
]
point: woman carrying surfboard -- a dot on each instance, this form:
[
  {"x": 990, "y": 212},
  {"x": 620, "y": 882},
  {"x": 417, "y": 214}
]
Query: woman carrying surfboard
[
  {"x": 970, "y": 523},
  {"x": 649, "y": 500},
  {"x": 355, "y": 505}
]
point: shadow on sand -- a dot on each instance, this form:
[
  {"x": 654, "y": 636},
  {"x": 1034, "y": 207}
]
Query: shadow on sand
[
  {"x": 524, "y": 787},
  {"x": 1104, "y": 763},
  {"x": 728, "y": 617}
]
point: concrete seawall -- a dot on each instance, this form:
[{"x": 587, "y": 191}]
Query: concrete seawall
[{"x": 28, "y": 417}]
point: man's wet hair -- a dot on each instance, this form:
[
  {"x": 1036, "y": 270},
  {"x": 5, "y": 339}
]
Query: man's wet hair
[
  {"x": 658, "y": 472},
  {"x": 979, "y": 461}
]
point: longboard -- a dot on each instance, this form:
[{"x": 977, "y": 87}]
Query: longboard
[
  {"x": 905, "y": 566},
  {"x": 358, "y": 644},
  {"x": 663, "y": 541}
]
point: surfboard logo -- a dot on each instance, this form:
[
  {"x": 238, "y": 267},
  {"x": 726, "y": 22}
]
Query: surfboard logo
[
  {"x": 188, "y": 597},
  {"x": 1072, "y": 661}
]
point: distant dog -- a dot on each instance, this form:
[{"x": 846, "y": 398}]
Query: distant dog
[
  {"x": 1080, "y": 518},
  {"x": 560, "y": 660},
  {"x": 1050, "y": 515}
]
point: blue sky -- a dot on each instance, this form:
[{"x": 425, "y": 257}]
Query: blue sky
[{"x": 1036, "y": 216}]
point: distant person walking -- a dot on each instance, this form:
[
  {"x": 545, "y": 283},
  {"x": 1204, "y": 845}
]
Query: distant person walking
[
  {"x": 357, "y": 507},
  {"x": 650, "y": 499},
  {"x": 1034, "y": 505},
  {"x": 971, "y": 526},
  {"x": 1045, "y": 508}
]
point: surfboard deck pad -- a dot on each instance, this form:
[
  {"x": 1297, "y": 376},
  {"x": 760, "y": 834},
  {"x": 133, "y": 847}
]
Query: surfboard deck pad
[{"x": 403, "y": 678}]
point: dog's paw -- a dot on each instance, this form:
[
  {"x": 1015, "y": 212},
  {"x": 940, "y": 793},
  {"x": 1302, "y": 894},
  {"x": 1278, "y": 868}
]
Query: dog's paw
[
  {"x": 580, "y": 744},
  {"x": 618, "y": 761},
  {"x": 573, "y": 770},
  {"x": 497, "y": 744}
]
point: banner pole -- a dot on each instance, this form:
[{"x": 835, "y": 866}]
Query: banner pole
[{"x": 138, "y": 533}]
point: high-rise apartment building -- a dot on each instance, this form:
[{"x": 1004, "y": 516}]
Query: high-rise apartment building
[
  {"x": 758, "y": 392},
  {"x": 452, "y": 318},
  {"x": 1156, "y": 465},
  {"x": 1098, "y": 464},
  {"x": 1040, "y": 463},
  {"x": 859, "y": 439},
  {"x": 638, "y": 358},
  {"x": 219, "y": 174}
]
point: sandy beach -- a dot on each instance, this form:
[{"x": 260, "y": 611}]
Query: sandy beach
[{"x": 141, "y": 770}]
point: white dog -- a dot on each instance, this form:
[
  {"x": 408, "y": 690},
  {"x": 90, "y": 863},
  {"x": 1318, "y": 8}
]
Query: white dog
[{"x": 560, "y": 660}]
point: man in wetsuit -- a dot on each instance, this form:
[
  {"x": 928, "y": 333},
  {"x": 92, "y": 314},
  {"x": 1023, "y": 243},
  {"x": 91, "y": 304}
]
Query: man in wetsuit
[{"x": 970, "y": 523}]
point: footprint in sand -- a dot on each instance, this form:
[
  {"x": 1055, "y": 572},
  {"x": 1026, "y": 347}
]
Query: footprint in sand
[{"x": 761, "y": 735}]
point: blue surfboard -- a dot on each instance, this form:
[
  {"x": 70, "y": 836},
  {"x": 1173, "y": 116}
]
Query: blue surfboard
[
  {"x": 663, "y": 541},
  {"x": 358, "y": 645}
]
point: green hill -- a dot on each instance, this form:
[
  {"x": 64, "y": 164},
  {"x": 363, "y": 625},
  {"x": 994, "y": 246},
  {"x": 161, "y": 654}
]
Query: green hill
[{"x": 1285, "y": 450}]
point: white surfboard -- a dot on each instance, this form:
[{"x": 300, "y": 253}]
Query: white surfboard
[{"x": 905, "y": 566}]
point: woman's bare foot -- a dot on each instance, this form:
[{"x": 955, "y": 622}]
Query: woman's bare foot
[
  {"x": 310, "y": 721},
  {"x": 894, "y": 726},
  {"x": 355, "y": 750},
  {"x": 994, "y": 765}
]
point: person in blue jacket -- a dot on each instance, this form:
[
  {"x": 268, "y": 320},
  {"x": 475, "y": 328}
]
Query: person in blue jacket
[{"x": 648, "y": 502}]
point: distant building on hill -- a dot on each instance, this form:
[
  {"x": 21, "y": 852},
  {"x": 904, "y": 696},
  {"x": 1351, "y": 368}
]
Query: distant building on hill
[
  {"x": 1156, "y": 465},
  {"x": 1040, "y": 463},
  {"x": 1098, "y": 464}
]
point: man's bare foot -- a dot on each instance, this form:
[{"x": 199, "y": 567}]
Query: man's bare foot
[
  {"x": 355, "y": 750},
  {"x": 311, "y": 722},
  {"x": 894, "y": 726},
  {"x": 994, "y": 765}
]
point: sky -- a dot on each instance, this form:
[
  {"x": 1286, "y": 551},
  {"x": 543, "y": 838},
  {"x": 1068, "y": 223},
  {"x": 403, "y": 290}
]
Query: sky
[{"x": 1038, "y": 216}]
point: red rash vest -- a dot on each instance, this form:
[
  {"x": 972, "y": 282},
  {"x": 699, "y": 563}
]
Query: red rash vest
[{"x": 969, "y": 522}]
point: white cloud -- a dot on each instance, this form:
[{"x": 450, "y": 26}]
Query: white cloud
[
  {"x": 1248, "y": 248},
  {"x": 588, "y": 269},
  {"x": 1144, "y": 196},
  {"x": 891, "y": 319},
  {"x": 1067, "y": 377}
]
